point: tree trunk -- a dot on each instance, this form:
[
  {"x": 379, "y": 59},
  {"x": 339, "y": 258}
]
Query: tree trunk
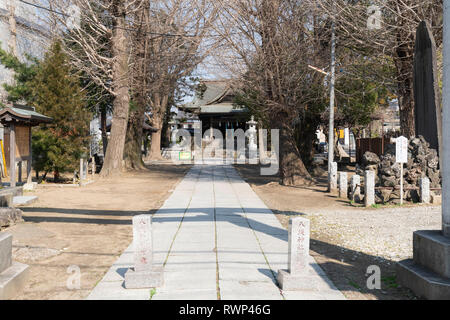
[
  {"x": 407, "y": 105},
  {"x": 159, "y": 111},
  {"x": 262, "y": 147},
  {"x": 155, "y": 148},
  {"x": 113, "y": 163},
  {"x": 103, "y": 129},
  {"x": 404, "y": 63},
  {"x": 135, "y": 133},
  {"x": 292, "y": 170},
  {"x": 305, "y": 140},
  {"x": 133, "y": 145}
]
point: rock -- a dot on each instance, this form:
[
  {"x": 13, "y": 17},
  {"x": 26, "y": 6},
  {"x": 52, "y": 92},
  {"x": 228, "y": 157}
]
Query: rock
[
  {"x": 385, "y": 170},
  {"x": 435, "y": 177},
  {"x": 422, "y": 161},
  {"x": 396, "y": 169},
  {"x": 389, "y": 181},
  {"x": 394, "y": 195},
  {"x": 424, "y": 142},
  {"x": 385, "y": 195},
  {"x": 370, "y": 158},
  {"x": 412, "y": 176},
  {"x": 433, "y": 163},
  {"x": 436, "y": 199},
  {"x": 378, "y": 197},
  {"x": 415, "y": 196},
  {"x": 10, "y": 216},
  {"x": 415, "y": 143},
  {"x": 359, "y": 171}
]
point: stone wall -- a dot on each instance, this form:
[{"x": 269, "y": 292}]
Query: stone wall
[{"x": 423, "y": 161}]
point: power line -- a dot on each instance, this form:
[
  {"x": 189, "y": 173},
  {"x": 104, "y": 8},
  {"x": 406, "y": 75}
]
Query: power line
[
  {"x": 44, "y": 8},
  {"x": 127, "y": 29}
]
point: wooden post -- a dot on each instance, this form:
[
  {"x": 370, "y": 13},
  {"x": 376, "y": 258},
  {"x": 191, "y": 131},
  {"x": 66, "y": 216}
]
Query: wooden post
[
  {"x": 81, "y": 169},
  {"x": 12, "y": 155},
  {"x": 401, "y": 183},
  {"x": 19, "y": 175},
  {"x": 93, "y": 167},
  {"x": 30, "y": 159}
]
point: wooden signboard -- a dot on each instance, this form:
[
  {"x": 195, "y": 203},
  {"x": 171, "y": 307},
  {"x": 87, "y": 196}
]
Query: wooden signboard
[
  {"x": 401, "y": 156},
  {"x": 22, "y": 143}
]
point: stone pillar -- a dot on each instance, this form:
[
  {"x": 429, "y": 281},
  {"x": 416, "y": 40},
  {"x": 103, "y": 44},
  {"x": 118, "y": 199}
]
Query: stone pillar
[
  {"x": 356, "y": 188},
  {"x": 369, "y": 188},
  {"x": 445, "y": 160},
  {"x": 252, "y": 138},
  {"x": 93, "y": 167},
  {"x": 81, "y": 169},
  {"x": 145, "y": 274},
  {"x": 428, "y": 273},
  {"x": 85, "y": 169},
  {"x": 13, "y": 275},
  {"x": 173, "y": 133},
  {"x": 425, "y": 190},
  {"x": 343, "y": 185},
  {"x": 332, "y": 178},
  {"x": 296, "y": 277}
]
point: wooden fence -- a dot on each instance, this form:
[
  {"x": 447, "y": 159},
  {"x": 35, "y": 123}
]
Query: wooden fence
[{"x": 375, "y": 145}]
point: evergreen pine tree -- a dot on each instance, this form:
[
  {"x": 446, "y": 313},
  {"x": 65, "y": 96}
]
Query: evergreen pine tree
[{"x": 56, "y": 92}]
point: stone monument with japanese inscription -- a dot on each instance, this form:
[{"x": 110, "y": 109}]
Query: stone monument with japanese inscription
[
  {"x": 13, "y": 275},
  {"x": 428, "y": 273},
  {"x": 428, "y": 117},
  {"x": 297, "y": 276},
  {"x": 145, "y": 273}
]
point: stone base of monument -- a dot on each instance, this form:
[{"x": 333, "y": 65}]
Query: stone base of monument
[
  {"x": 12, "y": 280},
  {"x": 144, "y": 279},
  {"x": 13, "y": 275},
  {"x": 295, "y": 282},
  {"x": 30, "y": 186},
  {"x": 428, "y": 273}
]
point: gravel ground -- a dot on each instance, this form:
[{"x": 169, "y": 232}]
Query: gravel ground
[
  {"x": 385, "y": 233},
  {"x": 347, "y": 239}
]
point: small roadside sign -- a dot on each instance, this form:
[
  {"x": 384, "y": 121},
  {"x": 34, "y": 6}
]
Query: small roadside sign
[
  {"x": 185, "y": 156},
  {"x": 401, "y": 154}
]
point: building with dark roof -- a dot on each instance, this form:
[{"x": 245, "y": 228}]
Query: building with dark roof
[{"x": 214, "y": 106}]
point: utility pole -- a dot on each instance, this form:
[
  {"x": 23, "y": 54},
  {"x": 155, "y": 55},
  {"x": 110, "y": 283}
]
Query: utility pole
[
  {"x": 331, "y": 185},
  {"x": 446, "y": 125}
]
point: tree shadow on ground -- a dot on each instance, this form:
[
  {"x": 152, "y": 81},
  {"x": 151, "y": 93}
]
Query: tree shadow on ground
[{"x": 346, "y": 268}]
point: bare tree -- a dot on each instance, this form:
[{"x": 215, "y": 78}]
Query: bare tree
[
  {"x": 275, "y": 41},
  {"x": 181, "y": 39},
  {"x": 100, "y": 48},
  {"x": 385, "y": 30}
]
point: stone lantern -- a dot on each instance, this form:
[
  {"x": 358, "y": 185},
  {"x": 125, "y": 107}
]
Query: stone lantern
[
  {"x": 252, "y": 135},
  {"x": 174, "y": 131}
]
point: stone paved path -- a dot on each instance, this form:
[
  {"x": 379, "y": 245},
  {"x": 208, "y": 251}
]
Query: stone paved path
[{"x": 216, "y": 240}]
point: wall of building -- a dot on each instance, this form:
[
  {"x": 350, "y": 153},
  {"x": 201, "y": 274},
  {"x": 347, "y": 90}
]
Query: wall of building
[{"x": 31, "y": 36}]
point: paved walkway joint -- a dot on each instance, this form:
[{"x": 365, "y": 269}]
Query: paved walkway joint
[{"x": 216, "y": 239}]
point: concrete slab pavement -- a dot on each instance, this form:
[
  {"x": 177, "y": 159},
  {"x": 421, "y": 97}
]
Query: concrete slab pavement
[{"x": 216, "y": 240}]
